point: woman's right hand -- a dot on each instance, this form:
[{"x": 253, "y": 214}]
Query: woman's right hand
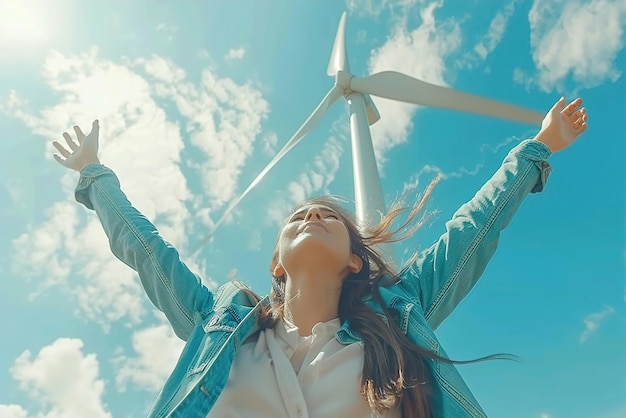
[
  {"x": 563, "y": 124},
  {"x": 82, "y": 153}
]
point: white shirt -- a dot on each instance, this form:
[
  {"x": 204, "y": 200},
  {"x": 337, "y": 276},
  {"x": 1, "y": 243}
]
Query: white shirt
[{"x": 284, "y": 375}]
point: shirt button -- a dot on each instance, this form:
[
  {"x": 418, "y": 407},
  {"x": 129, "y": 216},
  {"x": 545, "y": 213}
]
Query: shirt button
[{"x": 299, "y": 411}]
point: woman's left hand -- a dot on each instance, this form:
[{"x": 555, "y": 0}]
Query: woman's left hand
[
  {"x": 82, "y": 153},
  {"x": 563, "y": 124}
]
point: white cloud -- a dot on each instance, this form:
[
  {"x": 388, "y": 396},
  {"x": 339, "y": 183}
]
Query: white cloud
[
  {"x": 235, "y": 54},
  {"x": 435, "y": 41},
  {"x": 170, "y": 31},
  {"x": 80, "y": 394},
  {"x": 255, "y": 241},
  {"x": 576, "y": 41},
  {"x": 40, "y": 249},
  {"x": 14, "y": 188},
  {"x": 544, "y": 415},
  {"x": 370, "y": 7},
  {"x": 520, "y": 77},
  {"x": 361, "y": 36},
  {"x": 222, "y": 120},
  {"x": 14, "y": 106},
  {"x": 376, "y": 7},
  {"x": 106, "y": 291},
  {"x": 593, "y": 321},
  {"x": 269, "y": 144},
  {"x": 157, "y": 349},
  {"x": 13, "y": 411},
  {"x": 495, "y": 32}
]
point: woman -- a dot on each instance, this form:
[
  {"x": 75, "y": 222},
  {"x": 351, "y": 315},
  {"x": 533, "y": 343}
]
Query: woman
[{"x": 341, "y": 334}]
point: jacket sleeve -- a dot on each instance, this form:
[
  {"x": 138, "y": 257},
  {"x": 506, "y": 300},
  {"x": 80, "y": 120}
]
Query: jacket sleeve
[
  {"x": 443, "y": 275},
  {"x": 169, "y": 283}
]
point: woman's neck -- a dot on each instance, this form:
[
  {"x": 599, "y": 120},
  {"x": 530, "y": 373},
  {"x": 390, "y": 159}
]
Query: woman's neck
[{"x": 310, "y": 300}]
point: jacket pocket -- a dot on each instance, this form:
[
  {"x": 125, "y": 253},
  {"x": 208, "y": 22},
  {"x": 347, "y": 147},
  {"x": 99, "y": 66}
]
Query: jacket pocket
[
  {"x": 217, "y": 330},
  {"x": 410, "y": 319}
]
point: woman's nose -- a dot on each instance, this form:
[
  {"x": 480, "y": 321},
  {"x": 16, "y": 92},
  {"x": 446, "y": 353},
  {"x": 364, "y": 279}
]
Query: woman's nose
[{"x": 313, "y": 214}]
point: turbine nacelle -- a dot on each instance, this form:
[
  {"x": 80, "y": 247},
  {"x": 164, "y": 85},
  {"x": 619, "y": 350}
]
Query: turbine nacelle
[{"x": 342, "y": 80}]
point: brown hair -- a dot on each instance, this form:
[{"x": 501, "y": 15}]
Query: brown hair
[{"x": 394, "y": 368}]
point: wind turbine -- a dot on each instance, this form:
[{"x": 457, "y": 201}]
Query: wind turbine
[{"x": 391, "y": 85}]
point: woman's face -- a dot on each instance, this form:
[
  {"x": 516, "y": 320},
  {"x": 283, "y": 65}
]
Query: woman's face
[{"x": 314, "y": 234}]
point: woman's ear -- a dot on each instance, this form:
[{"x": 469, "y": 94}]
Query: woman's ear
[
  {"x": 356, "y": 263},
  {"x": 277, "y": 269}
]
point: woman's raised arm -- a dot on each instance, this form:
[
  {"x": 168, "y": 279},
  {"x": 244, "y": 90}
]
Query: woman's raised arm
[
  {"x": 169, "y": 283},
  {"x": 444, "y": 274}
]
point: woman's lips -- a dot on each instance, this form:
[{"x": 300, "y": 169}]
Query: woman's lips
[{"x": 315, "y": 224}]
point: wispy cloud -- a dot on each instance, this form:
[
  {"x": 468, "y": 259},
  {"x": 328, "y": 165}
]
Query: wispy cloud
[
  {"x": 235, "y": 54},
  {"x": 592, "y": 322},
  {"x": 376, "y": 7},
  {"x": 574, "y": 43},
  {"x": 170, "y": 31},
  {"x": 369, "y": 7},
  {"x": 269, "y": 144},
  {"x": 80, "y": 394},
  {"x": 430, "y": 171},
  {"x": 495, "y": 32}
]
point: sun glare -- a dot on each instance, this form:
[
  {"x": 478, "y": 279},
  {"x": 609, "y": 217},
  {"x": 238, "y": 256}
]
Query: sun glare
[{"x": 21, "y": 21}]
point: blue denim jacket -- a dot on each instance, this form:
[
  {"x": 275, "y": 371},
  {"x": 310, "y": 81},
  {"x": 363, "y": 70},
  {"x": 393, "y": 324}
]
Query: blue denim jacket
[{"x": 215, "y": 325}]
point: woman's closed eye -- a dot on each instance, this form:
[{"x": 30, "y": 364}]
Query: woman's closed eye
[{"x": 330, "y": 215}]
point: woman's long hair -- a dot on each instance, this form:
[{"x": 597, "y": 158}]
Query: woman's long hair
[{"x": 395, "y": 370}]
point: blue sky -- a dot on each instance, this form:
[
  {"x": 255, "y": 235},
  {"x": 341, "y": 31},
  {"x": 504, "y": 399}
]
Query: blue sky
[{"x": 194, "y": 98}]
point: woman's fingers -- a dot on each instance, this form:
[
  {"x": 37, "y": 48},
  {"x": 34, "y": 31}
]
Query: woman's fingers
[
  {"x": 578, "y": 114},
  {"x": 79, "y": 134},
  {"x": 65, "y": 153},
  {"x": 70, "y": 142},
  {"x": 571, "y": 108},
  {"x": 581, "y": 122},
  {"x": 60, "y": 160}
]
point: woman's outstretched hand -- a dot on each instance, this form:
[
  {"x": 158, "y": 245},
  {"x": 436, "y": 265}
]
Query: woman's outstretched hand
[
  {"x": 563, "y": 124},
  {"x": 82, "y": 153}
]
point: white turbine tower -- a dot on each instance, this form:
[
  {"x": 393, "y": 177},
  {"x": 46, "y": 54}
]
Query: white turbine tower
[{"x": 392, "y": 85}]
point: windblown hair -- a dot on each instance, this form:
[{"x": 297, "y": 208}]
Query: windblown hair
[{"x": 395, "y": 370}]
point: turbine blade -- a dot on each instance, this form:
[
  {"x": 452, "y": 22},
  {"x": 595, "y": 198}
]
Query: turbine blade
[
  {"x": 396, "y": 86},
  {"x": 373, "y": 115},
  {"x": 338, "y": 57},
  {"x": 314, "y": 119}
]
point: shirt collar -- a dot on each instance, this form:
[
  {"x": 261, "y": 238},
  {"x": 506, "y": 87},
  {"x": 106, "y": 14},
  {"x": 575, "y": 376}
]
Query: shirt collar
[{"x": 288, "y": 332}]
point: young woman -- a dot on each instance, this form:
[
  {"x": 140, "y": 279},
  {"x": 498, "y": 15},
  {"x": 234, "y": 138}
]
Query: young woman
[{"x": 341, "y": 335}]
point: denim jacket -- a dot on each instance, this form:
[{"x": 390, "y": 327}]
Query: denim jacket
[{"x": 214, "y": 325}]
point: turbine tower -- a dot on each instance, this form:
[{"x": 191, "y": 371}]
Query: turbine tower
[{"x": 391, "y": 85}]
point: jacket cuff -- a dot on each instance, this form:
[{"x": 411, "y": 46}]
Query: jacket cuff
[
  {"x": 538, "y": 153},
  {"x": 88, "y": 175}
]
